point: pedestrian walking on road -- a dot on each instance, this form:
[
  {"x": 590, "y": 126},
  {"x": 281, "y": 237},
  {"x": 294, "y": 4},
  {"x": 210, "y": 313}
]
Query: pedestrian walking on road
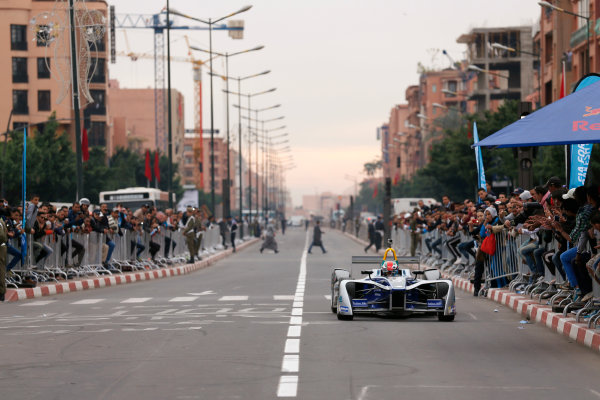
[
  {"x": 317, "y": 233},
  {"x": 233, "y": 229},
  {"x": 269, "y": 240},
  {"x": 190, "y": 234},
  {"x": 371, "y": 234},
  {"x": 379, "y": 232}
]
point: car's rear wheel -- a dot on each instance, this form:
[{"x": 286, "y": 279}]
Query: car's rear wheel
[{"x": 445, "y": 318}]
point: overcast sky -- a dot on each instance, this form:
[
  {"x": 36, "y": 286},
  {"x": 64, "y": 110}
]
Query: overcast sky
[{"x": 339, "y": 66}]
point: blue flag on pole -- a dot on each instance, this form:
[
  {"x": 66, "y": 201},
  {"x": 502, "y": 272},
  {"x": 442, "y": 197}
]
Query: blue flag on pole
[
  {"x": 581, "y": 153},
  {"x": 478, "y": 160}
]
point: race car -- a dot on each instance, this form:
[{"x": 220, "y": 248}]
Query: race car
[{"x": 391, "y": 290}]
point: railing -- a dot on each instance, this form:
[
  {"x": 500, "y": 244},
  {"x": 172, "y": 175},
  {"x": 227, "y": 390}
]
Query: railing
[{"x": 59, "y": 257}]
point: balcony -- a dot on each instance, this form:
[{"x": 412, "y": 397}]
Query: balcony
[{"x": 580, "y": 35}]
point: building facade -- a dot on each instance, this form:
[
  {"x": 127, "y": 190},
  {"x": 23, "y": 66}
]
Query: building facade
[{"x": 36, "y": 77}]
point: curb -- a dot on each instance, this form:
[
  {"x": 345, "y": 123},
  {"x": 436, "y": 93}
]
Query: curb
[
  {"x": 13, "y": 295},
  {"x": 534, "y": 311}
]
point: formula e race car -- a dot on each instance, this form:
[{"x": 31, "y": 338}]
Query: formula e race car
[{"x": 390, "y": 290}]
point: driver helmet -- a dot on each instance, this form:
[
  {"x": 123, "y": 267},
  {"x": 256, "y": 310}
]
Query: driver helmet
[{"x": 389, "y": 267}]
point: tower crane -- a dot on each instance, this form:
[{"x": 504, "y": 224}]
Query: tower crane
[{"x": 158, "y": 23}]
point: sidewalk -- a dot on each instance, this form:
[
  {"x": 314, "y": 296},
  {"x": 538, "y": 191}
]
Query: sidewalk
[
  {"x": 532, "y": 310},
  {"x": 50, "y": 289}
]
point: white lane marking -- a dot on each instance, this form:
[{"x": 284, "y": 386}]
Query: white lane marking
[
  {"x": 296, "y": 311},
  {"x": 291, "y": 363},
  {"x": 292, "y": 346},
  {"x": 295, "y": 320},
  {"x": 283, "y": 297},
  {"x": 592, "y": 391},
  {"x": 233, "y": 298},
  {"x": 294, "y": 331},
  {"x": 203, "y": 293},
  {"x": 363, "y": 393},
  {"x": 37, "y": 303},
  {"x": 223, "y": 310},
  {"x": 183, "y": 299},
  {"x": 137, "y": 300},
  {"x": 472, "y": 316},
  {"x": 328, "y": 297},
  {"x": 167, "y": 311},
  {"x": 88, "y": 301},
  {"x": 298, "y": 304},
  {"x": 288, "y": 386}
]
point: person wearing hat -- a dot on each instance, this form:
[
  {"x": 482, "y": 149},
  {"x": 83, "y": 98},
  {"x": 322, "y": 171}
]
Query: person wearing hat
[
  {"x": 526, "y": 196},
  {"x": 190, "y": 234},
  {"x": 515, "y": 193},
  {"x": 141, "y": 212}
]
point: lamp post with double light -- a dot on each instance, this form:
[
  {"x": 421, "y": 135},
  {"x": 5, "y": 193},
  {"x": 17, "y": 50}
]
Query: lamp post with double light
[
  {"x": 249, "y": 109},
  {"x": 210, "y": 22}
]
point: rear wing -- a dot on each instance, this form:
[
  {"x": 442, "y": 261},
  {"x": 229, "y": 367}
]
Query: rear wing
[{"x": 377, "y": 260}]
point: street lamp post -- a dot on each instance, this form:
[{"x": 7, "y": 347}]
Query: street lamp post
[
  {"x": 210, "y": 24},
  {"x": 239, "y": 106},
  {"x": 587, "y": 28},
  {"x": 513, "y": 50},
  {"x": 226, "y": 193}
]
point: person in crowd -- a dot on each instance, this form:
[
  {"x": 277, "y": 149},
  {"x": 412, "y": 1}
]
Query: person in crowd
[
  {"x": 415, "y": 234},
  {"x": 446, "y": 203},
  {"x": 141, "y": 212},
  {"x": 269, "y": 240},
  {"x": 490, "y": 219},
  {"x": 317, "y": 238},
  {"x": 31, "y": 208},
  {"x": 3, "y": 252},
  {"x": 100, "y": 225},
  {"x": 587, "y": 202},
  {"x": 489, "y": 190},
  {"x": 41, "y": 250}
]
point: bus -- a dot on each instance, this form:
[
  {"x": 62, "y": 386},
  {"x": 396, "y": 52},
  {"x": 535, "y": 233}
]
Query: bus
[{"x": 134, "y": 198}]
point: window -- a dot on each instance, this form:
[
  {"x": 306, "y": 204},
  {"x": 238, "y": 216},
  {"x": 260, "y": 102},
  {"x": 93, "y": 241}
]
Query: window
[
  {"x": 97, "y": 134},
  {"x": 18, "y": 37},
  {"x": 19, "y": 70},
  {"x": 188, "y": 173},
  {"x": 19, "y": 125},
  {"x": 187, "y": 147},
  {"x": 20, "y": 105},
  {"x": 433, "y": 88},
  {"x": 43, "y": 68},
  {"x": 98, "y": 107},
  {"x": 583, "y": 8},
  {"x": 43, "y": 100},
  {"x": 398, "y": 162},
  {"x": 99, "y": 45},
  {"x": 97, "y": 71},
  {"x": 189, "y": 160}
]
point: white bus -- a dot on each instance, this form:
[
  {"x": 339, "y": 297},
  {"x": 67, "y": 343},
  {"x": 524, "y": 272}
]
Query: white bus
[{"x": 134, "y": 198}]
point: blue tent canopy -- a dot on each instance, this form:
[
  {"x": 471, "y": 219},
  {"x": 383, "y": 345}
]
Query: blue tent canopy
[{"x": 574, "y": 119}]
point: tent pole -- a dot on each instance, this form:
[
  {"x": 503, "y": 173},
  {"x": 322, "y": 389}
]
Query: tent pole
[{"x": 566, "y": 166}]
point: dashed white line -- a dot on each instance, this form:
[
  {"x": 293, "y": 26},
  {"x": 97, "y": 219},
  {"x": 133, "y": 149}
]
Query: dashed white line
[
  {"x": 233, "y": 298},
  {"x": 137, "y": 300},
  {"x": 291, "y": 363},
  {"x": 37, "y": 303},
  {"x": 294, "y": 331},
  {"x": 288, "y": 386},
  {"x": 88, "y": 301},
  {"x": 283, "y": 297},
  {"x": 183, "y": 299}
]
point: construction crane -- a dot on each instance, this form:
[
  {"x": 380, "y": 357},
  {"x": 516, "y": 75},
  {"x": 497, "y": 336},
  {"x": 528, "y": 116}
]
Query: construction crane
[{"x": 158, "y": 23}]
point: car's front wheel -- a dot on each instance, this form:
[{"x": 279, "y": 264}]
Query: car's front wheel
[{"x": 445, "y": 318}]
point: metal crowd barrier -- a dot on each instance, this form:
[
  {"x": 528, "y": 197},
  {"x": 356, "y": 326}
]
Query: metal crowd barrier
[{"x": 61, "y": 264}]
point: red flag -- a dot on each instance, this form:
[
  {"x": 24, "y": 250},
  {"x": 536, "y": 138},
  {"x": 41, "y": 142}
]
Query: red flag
[
  {"x": 375, "y": 190},
  {"x": 85, "y": 150},
  {"x": 562, "y": 81},
  {"x": 396, "y": 178},
  {"x": 148, "y": 172},
  {"x": 156, "y": 166}
]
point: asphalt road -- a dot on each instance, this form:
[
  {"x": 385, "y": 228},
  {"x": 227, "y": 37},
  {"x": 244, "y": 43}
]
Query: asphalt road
[{"x": 258, "y": 326}]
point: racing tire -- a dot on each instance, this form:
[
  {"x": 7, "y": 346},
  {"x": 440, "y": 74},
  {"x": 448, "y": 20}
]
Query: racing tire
[
  {"x": 343, "y": 317},
  {"x": 445, "y": 318}
]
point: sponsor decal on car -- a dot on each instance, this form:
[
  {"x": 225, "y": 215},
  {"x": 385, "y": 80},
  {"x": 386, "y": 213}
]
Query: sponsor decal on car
[
  {"x": 343, "y": 309},
  {"x": 435, "y": 303},
  {"x": 359, "y": 303}
]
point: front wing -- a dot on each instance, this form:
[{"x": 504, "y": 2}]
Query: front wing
[{"x": 365, "y": 296}]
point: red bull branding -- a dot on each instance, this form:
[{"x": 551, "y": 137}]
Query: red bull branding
[{"x": 586, "y": 125}]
